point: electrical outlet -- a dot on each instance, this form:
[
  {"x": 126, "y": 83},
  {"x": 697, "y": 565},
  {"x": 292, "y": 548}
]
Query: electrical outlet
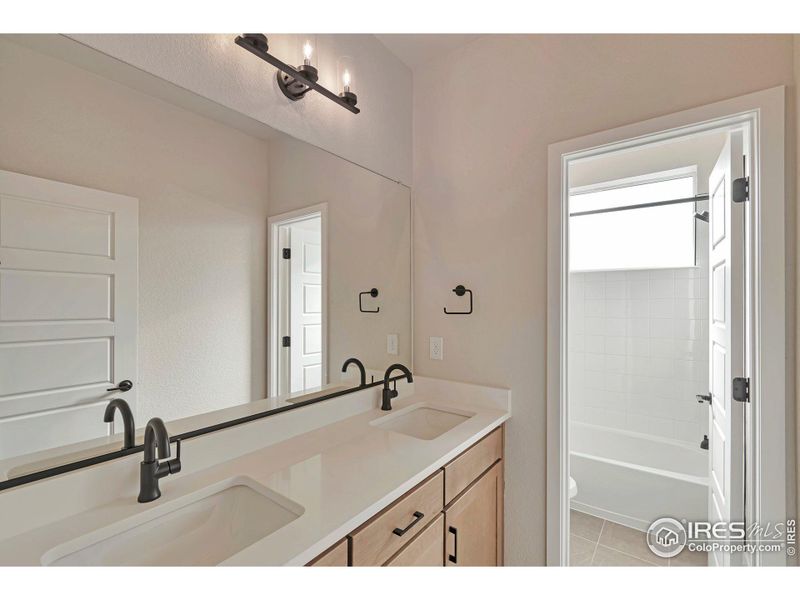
[
  {"x": 391, "y": 343},
  {"x": 437, "y": 348}
]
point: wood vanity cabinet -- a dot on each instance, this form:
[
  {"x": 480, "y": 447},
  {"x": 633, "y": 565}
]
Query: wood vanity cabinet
[
  {"x": 453, "y": 518},
  {"x": 473, "y": 523},
  {"x": 335, "y": 556}
]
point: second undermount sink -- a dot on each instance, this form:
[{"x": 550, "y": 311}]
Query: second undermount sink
[
  {"x": 423, "y": 421},
  {"x": 204, "y": 531}
]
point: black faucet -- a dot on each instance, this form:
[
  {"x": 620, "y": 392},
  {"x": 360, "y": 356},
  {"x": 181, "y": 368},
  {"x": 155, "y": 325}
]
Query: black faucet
[
  {"x": 360, "y": 365},
  {"x": 128, "y": 440},
  {"x": 156, "y": 436},
  {"x": 388, "y": 394}
]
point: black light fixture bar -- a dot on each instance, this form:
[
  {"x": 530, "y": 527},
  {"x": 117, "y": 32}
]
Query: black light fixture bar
[
  {"x": 698, "y": 198},
  {"x": 249, "y": 42}
]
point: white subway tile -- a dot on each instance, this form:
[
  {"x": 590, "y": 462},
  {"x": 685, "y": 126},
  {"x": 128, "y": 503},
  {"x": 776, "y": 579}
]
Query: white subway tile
[
  {"x": 595, "y": 289},
  {"x": 662, "y": 308},
  {"x": 616, "y": 289},
  {"x": 594, "y": 307},
  {"x": 661, "y": 328},
  {"x": 594, "y": 343},
  {"x": 615, "y": 345},
  {"x": 662, "y": 288}
]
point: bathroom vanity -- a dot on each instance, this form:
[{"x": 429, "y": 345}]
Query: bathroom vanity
[
  {"x": 455, "y": 518},
  {"x": 339, "y": 482}
]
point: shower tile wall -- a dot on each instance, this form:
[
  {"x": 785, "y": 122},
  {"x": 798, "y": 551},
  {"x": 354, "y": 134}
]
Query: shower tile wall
[{"x": 638, "y": 350}]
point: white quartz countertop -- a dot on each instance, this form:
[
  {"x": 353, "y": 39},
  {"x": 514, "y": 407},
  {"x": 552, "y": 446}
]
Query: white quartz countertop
[{"x": 341, "y": 474}]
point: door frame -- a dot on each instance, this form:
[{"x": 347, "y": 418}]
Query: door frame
[
  {"x": 273, "y": 269},
  {"x": 769, "y": 363}
]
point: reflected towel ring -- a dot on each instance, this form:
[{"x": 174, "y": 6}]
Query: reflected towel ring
[
  {"x": 374, "y": 293},
  {"x": 459, "y": 291}
]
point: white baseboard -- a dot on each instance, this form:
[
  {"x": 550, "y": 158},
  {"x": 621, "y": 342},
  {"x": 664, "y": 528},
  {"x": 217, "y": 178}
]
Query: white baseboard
[{"x": 608, "y": 515}]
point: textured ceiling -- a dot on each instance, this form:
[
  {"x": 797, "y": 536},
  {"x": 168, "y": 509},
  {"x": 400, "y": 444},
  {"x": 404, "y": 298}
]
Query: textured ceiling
[{"x": 417, "y": 49}]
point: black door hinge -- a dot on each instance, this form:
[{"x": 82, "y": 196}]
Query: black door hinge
[
  {"x": 741, "y": 189},
  {"x": 287, "y": 253},
  {"x": 286, "y": 342},
  {"x": 741, "y": 389}
]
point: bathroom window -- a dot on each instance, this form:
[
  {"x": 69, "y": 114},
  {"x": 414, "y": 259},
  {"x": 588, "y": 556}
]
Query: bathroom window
[{"x": 647, "y": 237}]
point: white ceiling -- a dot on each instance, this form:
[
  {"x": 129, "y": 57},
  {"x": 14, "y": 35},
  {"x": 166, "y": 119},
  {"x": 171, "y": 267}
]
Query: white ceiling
[{"x": 416, "y": 49}]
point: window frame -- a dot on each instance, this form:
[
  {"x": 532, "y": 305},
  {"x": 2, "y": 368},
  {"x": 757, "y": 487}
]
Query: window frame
[{"x": 627, "y": 182}]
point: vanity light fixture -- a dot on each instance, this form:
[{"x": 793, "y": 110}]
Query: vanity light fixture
[{"x": 296, "y": 82}]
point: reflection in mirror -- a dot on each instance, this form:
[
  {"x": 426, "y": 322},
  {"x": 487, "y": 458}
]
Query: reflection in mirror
[{"x": 193, "y": 264}]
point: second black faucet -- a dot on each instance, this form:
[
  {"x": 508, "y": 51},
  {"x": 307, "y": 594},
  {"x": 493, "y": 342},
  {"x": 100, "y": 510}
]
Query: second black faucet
[{"x": 388, "y": 394}]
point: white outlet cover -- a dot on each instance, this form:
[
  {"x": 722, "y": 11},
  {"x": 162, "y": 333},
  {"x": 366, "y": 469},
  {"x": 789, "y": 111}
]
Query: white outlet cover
[
  {"x": 437, "y": 348},
  {"x": 391, "y": 343}
]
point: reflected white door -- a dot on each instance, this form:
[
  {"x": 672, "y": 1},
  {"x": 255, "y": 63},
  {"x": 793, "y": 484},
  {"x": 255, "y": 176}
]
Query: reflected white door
[
  {"x": 68, "y": 310},
  {"x": 726, "y": 338},
  {"x": 306, "y": 305}
]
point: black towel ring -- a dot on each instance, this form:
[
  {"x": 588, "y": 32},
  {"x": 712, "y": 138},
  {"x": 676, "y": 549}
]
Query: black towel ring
[
  {"x": 374, "y": 293},
  {"x": 459, "y": 291}
]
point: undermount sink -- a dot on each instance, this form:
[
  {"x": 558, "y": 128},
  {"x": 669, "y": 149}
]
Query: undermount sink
[
  {"x": 422, "y": 421},
  {"x": 226, "y": 519}
]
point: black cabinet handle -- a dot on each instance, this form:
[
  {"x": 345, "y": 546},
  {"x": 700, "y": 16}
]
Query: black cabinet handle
[
  {"x": 703, "y": 398},
  {"x": 453, "y": 558},
  {"x": 401, "y": 532},
  {"x": 123, "y": 386}
]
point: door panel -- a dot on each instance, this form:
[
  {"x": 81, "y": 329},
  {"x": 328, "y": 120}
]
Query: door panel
[
  {"x": 726, "y": 343},
  {"x": 306, "y": 305},
  {"x": 68, "y": 310},
  {"x": 473, "y": 523}
]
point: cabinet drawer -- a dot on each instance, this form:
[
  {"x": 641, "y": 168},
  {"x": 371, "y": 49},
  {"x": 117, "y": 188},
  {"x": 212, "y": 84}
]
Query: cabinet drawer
[
  {"x": 376, "y": 541},
  {"x": 335, "y": 556},
  {"x": 468, "y": 466},
  {"x": 425, "y": 550}
]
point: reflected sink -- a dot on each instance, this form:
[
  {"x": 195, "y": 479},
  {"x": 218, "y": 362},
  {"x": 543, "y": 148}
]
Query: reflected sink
[
  {"x": 423, "y": 421},
  {"x": 226, "y": 519}
]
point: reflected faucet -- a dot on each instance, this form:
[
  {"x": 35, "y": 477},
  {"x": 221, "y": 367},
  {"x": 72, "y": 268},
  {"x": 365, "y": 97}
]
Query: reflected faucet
[
  {"x": 156, "y": 437},
  {"x": 360, "y": 365},
  {"x": 128, "y": 440},
  {"x": 388, "y": 394}
]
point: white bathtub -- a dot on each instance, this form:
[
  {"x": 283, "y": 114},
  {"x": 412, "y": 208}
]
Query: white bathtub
[{"x": 633, "y": 479}]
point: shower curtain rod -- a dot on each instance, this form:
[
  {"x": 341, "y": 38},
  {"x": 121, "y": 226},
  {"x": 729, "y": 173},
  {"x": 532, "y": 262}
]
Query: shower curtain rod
[{"x": 698, "y": 198}]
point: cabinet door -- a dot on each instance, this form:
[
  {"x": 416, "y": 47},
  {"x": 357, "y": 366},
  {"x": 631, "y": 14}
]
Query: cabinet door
[
  {"x": 474, "y": 523},
  {"x": 335, "y": 556},
  {"x": 426, "y": 550}
]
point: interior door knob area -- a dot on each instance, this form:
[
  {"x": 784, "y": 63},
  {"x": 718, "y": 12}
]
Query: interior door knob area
[{"x": 123, "y": 386}]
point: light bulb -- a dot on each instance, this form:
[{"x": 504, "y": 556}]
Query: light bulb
[
  {"x": 307, "y": 51},
  {"x": 346, "y": 80}
]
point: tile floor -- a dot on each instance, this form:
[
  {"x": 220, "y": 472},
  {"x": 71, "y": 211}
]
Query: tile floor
[{"x": 600, "y": 543}]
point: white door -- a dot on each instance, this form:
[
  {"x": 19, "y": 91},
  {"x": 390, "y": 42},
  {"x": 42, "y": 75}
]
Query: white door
[
  {"x": 68, "y": 309},
  {"x": 726, "y": 337},
  {"x": 306, "y": 305}
]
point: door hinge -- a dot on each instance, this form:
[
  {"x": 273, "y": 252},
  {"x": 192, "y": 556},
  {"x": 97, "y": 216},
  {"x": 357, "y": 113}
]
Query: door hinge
[
  {"x": 287, "y": 253},
  {"x": 741, "y": 189},
  {"x": 741, "y": 389},
  {"x": 286, "y": 342}
]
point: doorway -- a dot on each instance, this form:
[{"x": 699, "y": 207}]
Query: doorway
[
  {"x": 742, "y": 342},
  {"x": 298, "y": 282}
]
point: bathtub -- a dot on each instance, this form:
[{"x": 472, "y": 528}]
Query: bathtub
[{"x": 633, "y": 479}]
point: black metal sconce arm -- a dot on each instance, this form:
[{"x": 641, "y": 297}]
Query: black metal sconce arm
[
  {"x": 297, "y": 83},
  {"x": 374, "y": 293},
  {"x": 459, "y": 291}
]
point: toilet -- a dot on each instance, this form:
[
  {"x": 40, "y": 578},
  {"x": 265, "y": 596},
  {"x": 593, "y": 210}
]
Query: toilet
[{"x": 573, "y": 488}]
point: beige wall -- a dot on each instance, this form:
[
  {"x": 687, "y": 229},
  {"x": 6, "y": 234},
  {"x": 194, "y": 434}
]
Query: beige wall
[
  {"x": 202, "y": 190},
  {"x": 369, "y": 245},
  {"x": 480, "y": 191},
  {"x": 212, "y": 66}
]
